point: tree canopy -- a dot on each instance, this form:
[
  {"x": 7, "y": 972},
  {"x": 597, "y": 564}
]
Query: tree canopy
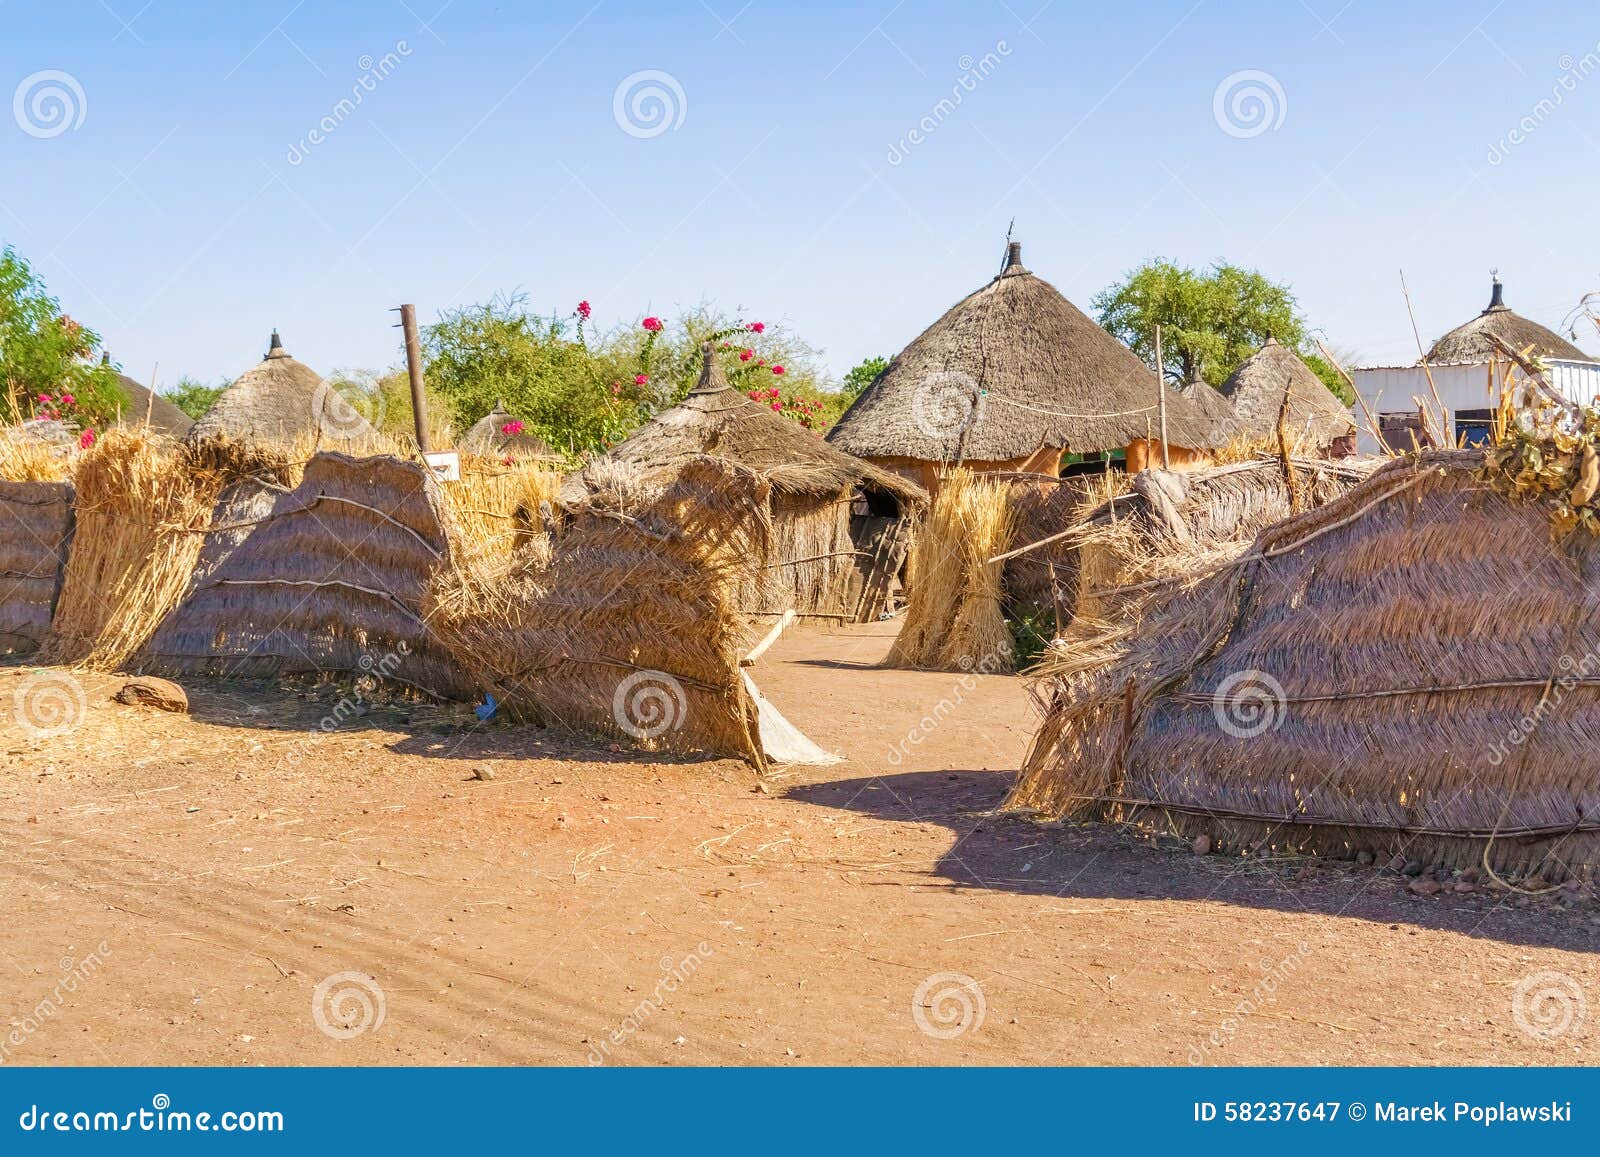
[
  {"x": 1211, "y": 320},
  {"x": 47, "y": 362}
]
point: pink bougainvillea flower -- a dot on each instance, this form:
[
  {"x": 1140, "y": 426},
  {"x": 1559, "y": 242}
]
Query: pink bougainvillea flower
[
  {"x": 86, "y": 439},
  {"x": 778, "y": 370},
  {"x": 68, "y": 400},
  {"x": 772, "y": 391},
  {"x": 641, "y": 379},
  {"x": 777, "y": 405},
  {"x": 583, "y": 310},
  {"x": 512, "y": 428},
  {"x": 44, "y": 399},
  {"x": 652, "y": 324},
  {"x": 746, "y": 355},
  {"x": 757, "y": 327}
]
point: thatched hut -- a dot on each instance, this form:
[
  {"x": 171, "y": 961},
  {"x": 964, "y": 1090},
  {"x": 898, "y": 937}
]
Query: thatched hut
[
  {"x": 35, "y": 535},
  {"x": 1315, "y": 417},
  {"x": 1011, "y": 378},
  {"x": 499, "y": 434},
  {"x": 1410, "y": 668},
  {"x": 841, "y": 526},
  {"x": 333, "y": 579},
  {"x": 1219, "y": 411},
  {"x": 281, "y": 400},
  {"x": 144, "y": 407},
  {"x": 1473, "y": 341}
]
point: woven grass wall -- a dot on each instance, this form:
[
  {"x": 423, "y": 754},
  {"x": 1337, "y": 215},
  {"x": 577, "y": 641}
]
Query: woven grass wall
[
  {"x": 333, "y": 579},
  {"x": 35, "y": 534},
  {"x": 635, "y": 628},
  {"x": 1414, "y": 667}
]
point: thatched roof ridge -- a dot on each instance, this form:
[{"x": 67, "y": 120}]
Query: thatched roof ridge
[
  {"x": 164, "y": 417},
  {"x": 716, "y": 419},
  {"x": 1256, "y": 391},
  {"x": 488, "y": 436},
  {"x": 1470, "y": 342},
  {"x": 1009, "y": 369},
  {"x": 281, "y": 400}
]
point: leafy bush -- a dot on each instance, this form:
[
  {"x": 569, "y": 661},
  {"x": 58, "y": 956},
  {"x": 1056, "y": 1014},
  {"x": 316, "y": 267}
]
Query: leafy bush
[
  {"x": 193, "y": 397},
  {"x": 46, "y": 356}
]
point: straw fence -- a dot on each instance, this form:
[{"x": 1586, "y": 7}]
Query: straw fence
[
  {"x": 1414, "y": 667},
  {"x": 634, "y": 628},
  {"x": 333, "y": 579},
  {"x": 35, "y": 534}
]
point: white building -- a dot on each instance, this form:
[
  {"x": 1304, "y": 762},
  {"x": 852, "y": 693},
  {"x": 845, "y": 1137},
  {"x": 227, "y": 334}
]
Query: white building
[{"x": 1469, "y": 373}]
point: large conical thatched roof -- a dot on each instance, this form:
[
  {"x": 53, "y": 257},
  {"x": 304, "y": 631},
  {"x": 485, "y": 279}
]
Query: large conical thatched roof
[
  {"x": 1471, "y": 343},
  {"x": 163, "y": 415},
  {"x": 1224, "y": 419},
  {"x": 488, "y": 436},
  {"x": 281, "y": 400},
  {"x": 718, "y": 420},
  {"x": 1256, "y": 391},
  {"x": 1010, "y": 369}
]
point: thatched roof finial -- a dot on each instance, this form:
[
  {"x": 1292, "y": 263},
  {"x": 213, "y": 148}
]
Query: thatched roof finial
[
  {"x": 1497, "y": 301},
  {"x": 712, "y": 379},
  {"x": 1013, "y": 258},
  {"x": 275, "y": 346}
]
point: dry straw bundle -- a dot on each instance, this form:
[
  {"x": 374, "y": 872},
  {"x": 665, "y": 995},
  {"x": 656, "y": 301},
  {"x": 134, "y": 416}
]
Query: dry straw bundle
[
  {"x": 495, "y": 508},
  {"x": 139, "y": 500},
  {"x": 635, "y": 629},
  {"x": 955, "y": 621},
  {"x": 1414, "y": 667},
  {"x": 25, "y": 457}
]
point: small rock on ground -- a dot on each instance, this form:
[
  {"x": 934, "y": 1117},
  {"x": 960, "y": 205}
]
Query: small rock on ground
[{"x": 148, "y": 691}]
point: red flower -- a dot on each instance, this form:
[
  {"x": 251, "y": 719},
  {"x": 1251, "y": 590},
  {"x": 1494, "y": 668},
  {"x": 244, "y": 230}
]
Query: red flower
[
  {"x": 86, "y": 439},
  {"x": 778, "y": 370},
  {"x": 68, "y": 400},
  {"x": 583, "y": 310},
  {"x": 746, "y": 355},
  {"x": 777, "y": 405},
  {"x": 44, "y": 399},
  {"x": 757, "y": 327},
  {"x": 641, "y": 379},
  {"x": 772, "y": 391},
  {"x": 512, "y": 428},
  {"x": 652, "y": 324}
]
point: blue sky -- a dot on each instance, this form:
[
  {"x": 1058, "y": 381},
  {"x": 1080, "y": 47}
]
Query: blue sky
[{"x": 181, "y": 211}]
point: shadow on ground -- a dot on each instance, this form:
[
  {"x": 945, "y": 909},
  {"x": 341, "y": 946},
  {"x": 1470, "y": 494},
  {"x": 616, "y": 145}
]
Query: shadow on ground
[{"x": 1001, "y": 852}]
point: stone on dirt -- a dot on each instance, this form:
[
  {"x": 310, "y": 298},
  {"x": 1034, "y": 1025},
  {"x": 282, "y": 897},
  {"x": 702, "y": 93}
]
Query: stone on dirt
[{"x": 148, "y": 691}]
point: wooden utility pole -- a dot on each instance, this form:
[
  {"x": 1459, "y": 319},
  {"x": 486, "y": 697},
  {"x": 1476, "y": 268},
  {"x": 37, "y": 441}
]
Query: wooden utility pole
[
  {"x": 419, "y": 401},
  {"x": 1161, "y": 400}
]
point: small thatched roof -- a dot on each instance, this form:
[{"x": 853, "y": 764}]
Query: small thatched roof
[
  {"x": 164, "y": 417},
  {"x": 488, "y": 436},
  {"x": 717, "y": 420},
  {"x": 1007, "y": 370},
  {"x": 281, "y": 400},
  {"x": 1256, "y": 391},
  {"x": 1471, "y": 343},
  {"x": 1224, "y": 419}
]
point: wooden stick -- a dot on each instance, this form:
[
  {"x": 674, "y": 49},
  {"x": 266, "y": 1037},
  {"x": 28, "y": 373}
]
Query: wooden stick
[
  {"x": 1372, "y": 425},
  {"x": 768, "y": 639},
  {"x": 1422, "y": 356},
  {"x": 1161, "y": 401}
]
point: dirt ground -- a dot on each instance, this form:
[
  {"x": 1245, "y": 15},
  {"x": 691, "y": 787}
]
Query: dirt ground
[{"x": 195, "y": 890}]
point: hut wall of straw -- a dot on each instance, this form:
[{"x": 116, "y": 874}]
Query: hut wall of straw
[
  {"x": 1414, "y": 667},
  {"x": 636, "y": 628},
  {"x": 334, "y": 579},
  {"x": 35, "y": 535}
]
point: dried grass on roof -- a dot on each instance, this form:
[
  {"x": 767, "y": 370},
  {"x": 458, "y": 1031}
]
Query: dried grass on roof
[
  {"x": 1413, "y": 667},
  {"x": 635, "y": 628},
  {"x": 35, "y": 535}
]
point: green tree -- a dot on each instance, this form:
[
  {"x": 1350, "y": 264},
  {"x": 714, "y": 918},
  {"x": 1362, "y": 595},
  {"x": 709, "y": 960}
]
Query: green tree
[
  {"x": 194, "y": 397},
  {"x": 44, "y": 354},
  {"x": 1211, "y": 320},
  {"x": 862, "y": 375}
]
